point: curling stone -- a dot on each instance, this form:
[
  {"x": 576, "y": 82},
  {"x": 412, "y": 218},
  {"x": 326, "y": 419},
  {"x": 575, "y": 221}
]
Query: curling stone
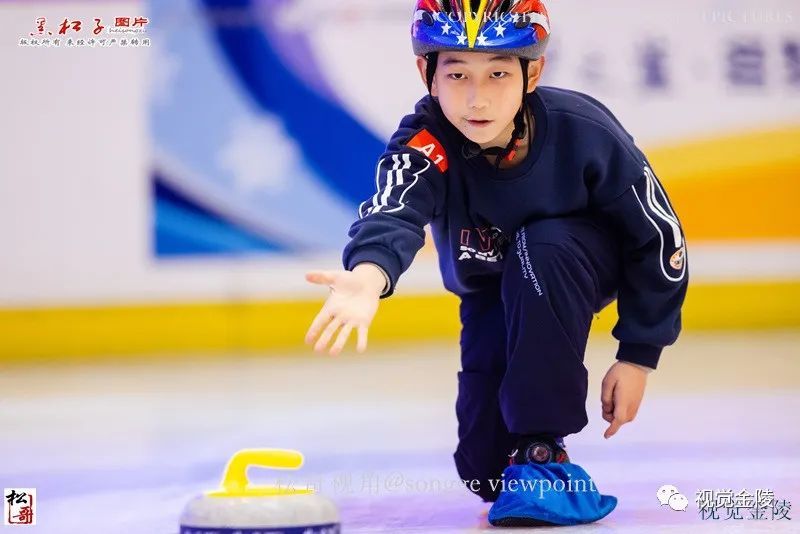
[{"x": 237, "y": 507}]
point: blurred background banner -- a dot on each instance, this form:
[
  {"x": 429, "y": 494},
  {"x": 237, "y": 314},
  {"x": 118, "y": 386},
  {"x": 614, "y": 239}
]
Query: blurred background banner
[
  {"x": 272, "y": 157},
  {"x": 170, "y": 196},
  {"x": 274, "y": 112}
]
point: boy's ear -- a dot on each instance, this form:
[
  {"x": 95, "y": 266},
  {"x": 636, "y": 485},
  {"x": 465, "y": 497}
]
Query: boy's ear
[
  {"x": 535, "y": 69},
  {"x": 422, "y": 67}
]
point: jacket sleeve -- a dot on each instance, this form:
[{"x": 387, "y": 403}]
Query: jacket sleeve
[
  {"x": 654, "y": 271},
  {"x": 409, "y": 185}
]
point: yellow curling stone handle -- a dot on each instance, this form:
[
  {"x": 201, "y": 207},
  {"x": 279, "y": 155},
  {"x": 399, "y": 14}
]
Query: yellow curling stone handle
[{"x": 236, "y": 484}]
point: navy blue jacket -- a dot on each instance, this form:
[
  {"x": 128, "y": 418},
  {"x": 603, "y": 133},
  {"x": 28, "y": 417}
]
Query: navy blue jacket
[{"x": 581, "y": 161}]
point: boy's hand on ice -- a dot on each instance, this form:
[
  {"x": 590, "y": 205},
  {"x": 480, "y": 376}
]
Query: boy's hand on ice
[
  {"x": 622, "y": 392},
  {"x": 352, "y": 304}
]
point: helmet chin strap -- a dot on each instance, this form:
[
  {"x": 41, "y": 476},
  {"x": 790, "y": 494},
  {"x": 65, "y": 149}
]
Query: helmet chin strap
[
  {"x": 510, "y": 150},
  {"x": 472, "y": 149}
]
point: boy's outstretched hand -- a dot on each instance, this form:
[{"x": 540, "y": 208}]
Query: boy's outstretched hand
[
  {"x": 622, "y": 392},
  {"x": 352, "y": 304}
]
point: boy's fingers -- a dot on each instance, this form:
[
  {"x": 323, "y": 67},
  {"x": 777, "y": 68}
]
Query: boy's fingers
[
  {"x": 620, "y": 418},
  {"x": 621, "y": 412},
  {"x": 612, "y": 429},
  {"x": 317, "y": 324},
  {"x": 612, "y": 407},
  {"x": 327, "y": 334},
  {"x": 361, "y": 346},
  {"x": 607, "y": 397},
  {"x": 324, "y": 278},
  {"x": 341, "y": 339}
]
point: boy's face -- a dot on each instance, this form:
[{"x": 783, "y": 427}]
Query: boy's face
[{"x": 480, "y": 93}]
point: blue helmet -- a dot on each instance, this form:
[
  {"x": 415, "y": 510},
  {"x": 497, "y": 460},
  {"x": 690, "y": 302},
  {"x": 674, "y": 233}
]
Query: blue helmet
[{"x": 515, "y": 27}]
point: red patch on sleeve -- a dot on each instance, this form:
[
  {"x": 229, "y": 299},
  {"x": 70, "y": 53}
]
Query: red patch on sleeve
[{"x": 431, "y": 147}]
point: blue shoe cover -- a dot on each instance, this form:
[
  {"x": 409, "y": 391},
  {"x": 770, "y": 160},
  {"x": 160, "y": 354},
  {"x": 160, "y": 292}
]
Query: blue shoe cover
[{"x": 548, "y": 494}]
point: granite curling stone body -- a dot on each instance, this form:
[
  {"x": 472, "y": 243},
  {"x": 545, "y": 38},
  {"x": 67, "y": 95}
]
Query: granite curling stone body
[{"x": 245, "y": 509}]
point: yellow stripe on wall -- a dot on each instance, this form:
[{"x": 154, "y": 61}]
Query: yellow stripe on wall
[
  {"x": 107, "y": 333},
  {"x": 743, "y": 186}
]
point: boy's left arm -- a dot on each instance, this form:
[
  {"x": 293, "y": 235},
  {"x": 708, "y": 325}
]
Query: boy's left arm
[{"x": 651, "y": 292}]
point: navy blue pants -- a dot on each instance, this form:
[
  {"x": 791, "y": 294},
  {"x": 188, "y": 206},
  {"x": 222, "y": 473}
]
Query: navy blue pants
[{"x": 523, "y": 340}]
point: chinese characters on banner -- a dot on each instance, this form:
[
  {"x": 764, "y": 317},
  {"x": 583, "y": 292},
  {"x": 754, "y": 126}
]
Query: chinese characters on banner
[{"x": 744, "y": 62}]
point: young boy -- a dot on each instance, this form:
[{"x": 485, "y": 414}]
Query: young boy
[{"x": 543, "y": 211}]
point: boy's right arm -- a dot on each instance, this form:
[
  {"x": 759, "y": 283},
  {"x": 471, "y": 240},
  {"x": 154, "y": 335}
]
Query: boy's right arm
[
  {"x": 410, "y": 188},
  {"x": 385, "y": 239}
]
